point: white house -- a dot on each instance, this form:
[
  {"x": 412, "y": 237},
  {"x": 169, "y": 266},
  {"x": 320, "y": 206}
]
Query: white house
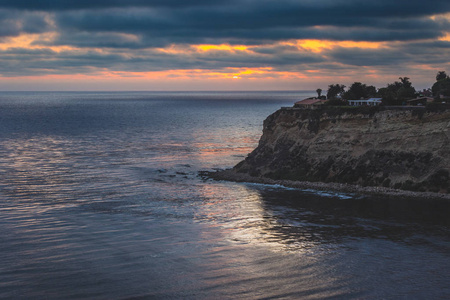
[{"x": 369, "y": 102}]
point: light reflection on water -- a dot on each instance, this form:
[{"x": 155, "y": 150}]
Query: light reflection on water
[{"x": 113, "y": 208}]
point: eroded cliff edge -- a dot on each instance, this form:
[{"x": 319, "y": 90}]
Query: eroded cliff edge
[{"x": 369, "y": 146}]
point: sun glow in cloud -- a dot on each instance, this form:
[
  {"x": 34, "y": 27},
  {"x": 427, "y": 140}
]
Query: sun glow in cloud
[
  {"x": 318, "y": 46},
  {"x": 221, "y": 47},
  {"x": 445, "y": 38},
  {"x": 22, "y": 41},
  {"x": 251, "y": 73}
]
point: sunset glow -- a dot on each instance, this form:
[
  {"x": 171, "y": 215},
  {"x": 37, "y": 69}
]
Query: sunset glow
[{"x": 114, "y": 45}]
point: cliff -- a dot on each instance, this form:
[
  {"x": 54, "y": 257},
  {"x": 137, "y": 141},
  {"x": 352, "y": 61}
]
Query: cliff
[{"x": 368, "y": 146}]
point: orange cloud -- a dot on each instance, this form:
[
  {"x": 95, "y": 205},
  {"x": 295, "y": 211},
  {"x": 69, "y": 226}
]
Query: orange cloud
[
  {"x": 33, "y": 42},
  {"x": 318, "y": 46},
  {"x": 445, "y": 38},
  {"x": 221, "y": 47},
  {"x": 201, "y": 48}
]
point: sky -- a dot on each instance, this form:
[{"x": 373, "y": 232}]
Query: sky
[{"x": 179, "y": 45}]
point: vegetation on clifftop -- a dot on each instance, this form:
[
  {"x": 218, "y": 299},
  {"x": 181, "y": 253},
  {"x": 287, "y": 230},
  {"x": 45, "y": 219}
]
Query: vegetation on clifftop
[{"x": 396, "y": 93}]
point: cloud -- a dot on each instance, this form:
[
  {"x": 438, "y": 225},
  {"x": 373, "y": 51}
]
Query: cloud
[
  {"x": 13, "y": 23},
  {"x": 368, "y": 57},
  {"x": 181, "y": 21},
  {"x": 271, "y": 20},
  {"x": 65, "y": 37}
]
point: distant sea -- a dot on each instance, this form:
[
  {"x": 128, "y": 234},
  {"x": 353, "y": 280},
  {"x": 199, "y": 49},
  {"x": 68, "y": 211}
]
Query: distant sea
[{"x": 100, "y": 198}]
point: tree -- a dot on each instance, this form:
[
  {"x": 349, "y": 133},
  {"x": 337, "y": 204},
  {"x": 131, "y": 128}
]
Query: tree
[
  {"x": 388, "y": 95},
  {"x": 398, "y": 92},
  {"x": 406, "y": 90},
  {"x": 441, "y": 86},
  {"x": 371, "y": 91},
  {"x": 319, "y": 92},
  {"x": 335, "y": 91},
  {"x": 359, "y": 90},
  {"x": 405, "y": 82},
  {"x": 441, "y": 75}
]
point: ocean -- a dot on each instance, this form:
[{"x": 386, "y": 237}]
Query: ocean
[{"x": 101, "y": 198}]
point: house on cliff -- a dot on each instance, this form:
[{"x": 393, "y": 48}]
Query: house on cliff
[
  {"x": 368, "y": 102},
  {"x": 312, "y": 102}
]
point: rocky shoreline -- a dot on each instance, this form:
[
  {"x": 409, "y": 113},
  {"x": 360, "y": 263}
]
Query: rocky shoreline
[{"x": 232, "y": 175}]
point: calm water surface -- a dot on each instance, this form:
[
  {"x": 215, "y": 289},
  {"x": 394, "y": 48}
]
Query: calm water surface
[{"x": 100, "y": 199}]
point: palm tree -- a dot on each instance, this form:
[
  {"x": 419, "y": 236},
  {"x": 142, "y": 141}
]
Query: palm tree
[{"x": 319, "y": 92}]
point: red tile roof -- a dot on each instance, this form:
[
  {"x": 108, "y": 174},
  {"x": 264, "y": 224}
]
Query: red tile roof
[{"x": 309, "y": 101}]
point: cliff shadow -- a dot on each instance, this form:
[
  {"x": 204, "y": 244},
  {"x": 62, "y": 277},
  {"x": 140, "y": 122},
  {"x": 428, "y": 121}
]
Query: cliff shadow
[{"x": 318, "y": 217}]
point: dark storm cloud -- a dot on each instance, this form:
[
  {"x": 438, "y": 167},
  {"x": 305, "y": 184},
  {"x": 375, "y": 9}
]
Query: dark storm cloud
[
  {"x": 182, "y": 21},
  {"x": 52, "y": 5},
  {"x": 288, "y": 8},
  {"x": 255, "y": 15},
  {"x": 235, "y": 25}
]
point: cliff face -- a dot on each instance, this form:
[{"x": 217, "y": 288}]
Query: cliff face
[{"x": 407, "y": 149}]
